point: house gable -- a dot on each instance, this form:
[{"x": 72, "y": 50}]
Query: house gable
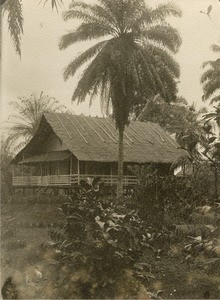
[{"x": 53, "y": 143}]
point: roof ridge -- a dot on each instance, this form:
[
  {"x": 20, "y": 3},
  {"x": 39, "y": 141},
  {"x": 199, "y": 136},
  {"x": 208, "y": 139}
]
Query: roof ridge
[{"x": 100, "y": 117}]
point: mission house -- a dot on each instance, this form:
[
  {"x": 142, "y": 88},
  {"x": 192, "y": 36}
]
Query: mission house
[{"x": 67, "y": 149}]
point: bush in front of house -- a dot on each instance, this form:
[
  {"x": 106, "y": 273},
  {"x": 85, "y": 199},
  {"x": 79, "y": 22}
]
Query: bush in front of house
[
  {"x": 102, "y": 247},
  {"x": 162, "y": 201}
]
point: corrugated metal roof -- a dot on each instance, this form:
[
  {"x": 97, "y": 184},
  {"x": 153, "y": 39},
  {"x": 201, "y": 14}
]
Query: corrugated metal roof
[
  {"x": 96, "y": 139},
  {"x": 49, "y": 156}
]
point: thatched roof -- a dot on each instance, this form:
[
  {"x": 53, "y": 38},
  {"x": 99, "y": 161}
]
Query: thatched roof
[{"x": 96, "y": 139}]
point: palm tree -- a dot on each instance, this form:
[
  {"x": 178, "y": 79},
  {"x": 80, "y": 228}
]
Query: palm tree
[
  {"x": 28, "y": 112},
  {"x": 211, "y": 77},
  {"x": 13, "y": 9},
  {"x": 133, "y": 61}
]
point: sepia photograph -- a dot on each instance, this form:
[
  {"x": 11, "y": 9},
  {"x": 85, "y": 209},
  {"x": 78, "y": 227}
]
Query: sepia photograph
[{"x": 110, "y": 149}]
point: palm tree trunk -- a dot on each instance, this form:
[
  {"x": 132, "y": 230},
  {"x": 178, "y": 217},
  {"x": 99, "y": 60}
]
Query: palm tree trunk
[{"x": 120, "y": 164}]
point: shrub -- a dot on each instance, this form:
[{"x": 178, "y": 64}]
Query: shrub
[
  {"x": 103, "y": 242},
  {"x": 163, "y": 200}
]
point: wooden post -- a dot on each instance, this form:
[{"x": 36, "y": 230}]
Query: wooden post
[
  {"x": 29, "y": 177},
  {"x": 71, "y": 167},
  {"x": 111, "y": 173},
  {"x": 78, "y": 170},
  {"x": 22, "y": 169},
  {"x": 41, "y": 174},
  {"x": 48, "y": 171},
  {"x": 71, "y": 163},
  {"x": 13, "y": 173},
  {"x": 58, "y": 172}
]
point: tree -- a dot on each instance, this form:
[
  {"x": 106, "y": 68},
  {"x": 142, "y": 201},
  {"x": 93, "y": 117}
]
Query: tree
[
  {"x": 174, "y": 117},
  {"x": 214, "y": 115},
  {"x": 134, "y": 61},
  {"x": 211, "y": 78},
  {"x": 28, "y": 114},
  {"x": 13, "y": 9}
]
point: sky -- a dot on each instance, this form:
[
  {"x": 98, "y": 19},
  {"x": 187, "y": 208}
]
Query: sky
[{"x": 42, "y": 63}]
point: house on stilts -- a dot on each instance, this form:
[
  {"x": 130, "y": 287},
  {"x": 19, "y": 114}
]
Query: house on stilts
[{"x": 67, "y": 149}]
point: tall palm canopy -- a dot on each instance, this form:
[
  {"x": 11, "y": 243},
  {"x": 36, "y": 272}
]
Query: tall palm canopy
[
  {"x": 28, "y": 112},
  {"x": 132, "y": 60},
  {"x": 211, "y": 78}
]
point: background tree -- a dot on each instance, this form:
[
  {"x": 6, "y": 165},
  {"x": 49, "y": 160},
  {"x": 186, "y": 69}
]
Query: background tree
[
  {"x": 174, "y": 117},
  {"x": 181, "y": 120},
  {"x": 211, "y": 78},
  {"x": 133, "y": 61},
  {"x": 28, "y": 112},
  {"x": 215, "y": 115}
]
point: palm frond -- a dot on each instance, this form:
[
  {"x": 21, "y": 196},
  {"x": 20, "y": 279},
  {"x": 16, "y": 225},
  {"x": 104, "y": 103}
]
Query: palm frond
[
  {"x": 215, "y": 99},
  {"x": 211, "y": 87},
  {"x": 87, "y": 31},
  {"x": 54, "y": 3},
  {"x": 80, "y": 15},
  {"x": 163, "y": 34},
  {"x": 208, "y": 75},
  {"x": 162, "y": 57},
  {"x": 163, "y": 11},
  {"x": 215, "y": 64},
  {"x": 15, "y": 22},
  {"x": 28, "y": 112},
  {"x": 215, "y": 48},
  {"x": 111, "y": 7},
  {"x": 71, "y": 69},
  {"x": 92, "y": 75},
  {"x": 89, "y": 13}
]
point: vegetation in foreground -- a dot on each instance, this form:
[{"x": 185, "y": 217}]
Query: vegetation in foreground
[{"x": 153, "y": 244}]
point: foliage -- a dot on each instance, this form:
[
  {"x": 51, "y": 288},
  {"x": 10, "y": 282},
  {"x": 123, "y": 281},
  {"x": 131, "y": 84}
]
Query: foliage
[
  {"x": 210, "y": 78},
  {"x": 204, "y": 150},
  {"x": 13, "y": 9},
  {"x": 176, "y": 117},
  {"x": 214, "y": 115},
  {"x": 177, "y": 273},
  {"x": 54, "y": 3},
  {"x": 28, "y": 112},
  {"x": 102, "y": 241},
  {"x": 201, "y": 144},
  {"x": 163, "y": 201},
  {"x": 204, "y": 249}
]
